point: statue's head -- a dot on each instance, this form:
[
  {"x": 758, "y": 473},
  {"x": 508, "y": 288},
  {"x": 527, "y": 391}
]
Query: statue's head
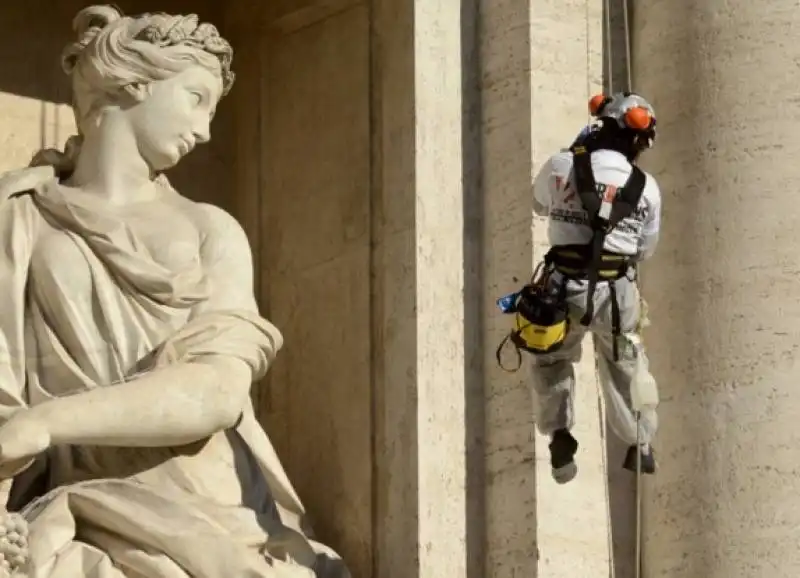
[{"x": 160, "y": 75}]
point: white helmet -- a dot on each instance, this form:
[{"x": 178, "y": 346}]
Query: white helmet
[
  {"x": 639, "y": 112},
  {"x": 629, "y": 110}
]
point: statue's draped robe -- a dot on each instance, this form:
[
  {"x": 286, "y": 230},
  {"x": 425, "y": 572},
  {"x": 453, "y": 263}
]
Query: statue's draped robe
[{"x": 86, "y": 305}]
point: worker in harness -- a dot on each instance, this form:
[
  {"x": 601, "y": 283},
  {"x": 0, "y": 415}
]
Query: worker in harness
[{"x": 604, "y": 217}]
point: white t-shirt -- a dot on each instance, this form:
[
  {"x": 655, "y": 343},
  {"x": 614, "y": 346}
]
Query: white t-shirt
[{"x": 554, "y": 196}]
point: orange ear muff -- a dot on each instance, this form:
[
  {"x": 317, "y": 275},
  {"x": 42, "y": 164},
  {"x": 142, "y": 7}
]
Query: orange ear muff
[
  {"x": 597, "y": 102},
  {"x": 638, "y": 118}
]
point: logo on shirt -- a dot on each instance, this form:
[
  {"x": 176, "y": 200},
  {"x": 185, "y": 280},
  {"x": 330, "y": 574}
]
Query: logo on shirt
[
  {"x": 561, "y": 186},
  {"x": 607, "y": 192},
  {"x": 568, "y": 212}
]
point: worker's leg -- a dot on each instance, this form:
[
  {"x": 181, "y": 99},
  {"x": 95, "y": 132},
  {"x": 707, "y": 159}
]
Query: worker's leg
[
  {"x": 554, "y": 384},
  {"x": 554, "y": 392},
  {"x": 617, "y": 376}
]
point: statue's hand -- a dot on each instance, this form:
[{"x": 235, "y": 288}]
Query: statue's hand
[{"x": 22, "y": 437}]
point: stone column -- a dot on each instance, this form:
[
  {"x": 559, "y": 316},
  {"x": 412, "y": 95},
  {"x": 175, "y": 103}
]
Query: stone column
[
  {"x": 723, "y": 288},
  {"x": 390, "y": 145},
  {"x": 451, "y": 204},
  {"x": 566, "y": 54},
  {"x": 498, "y": 157},
  {"x": 418, "y": 288}
]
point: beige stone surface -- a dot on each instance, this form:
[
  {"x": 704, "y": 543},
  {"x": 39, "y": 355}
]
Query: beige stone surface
[
  {"x": 498, "y": 169},
  {"x": 130, "y": 335},
  {"x": 28, "y": 125},
  {"x": 314, "y": 225},
  {"x": 439, "y": 241},
  {"x": 342, "y": 226},
  {"x": 722, "y": 287},
  {"x": 572, "y": 520},
  {"x": 418, "y": 211},
  {"x": 363, "y": 178}
]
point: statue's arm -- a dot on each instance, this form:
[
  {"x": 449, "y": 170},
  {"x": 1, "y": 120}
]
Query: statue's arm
[
  {"x": 178, "y": 403},
  {"x": 169, "y": 406},
  {"x": 228, "y": 260}
]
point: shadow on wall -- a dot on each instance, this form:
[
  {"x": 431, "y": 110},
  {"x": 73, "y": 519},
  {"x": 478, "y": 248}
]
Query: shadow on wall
[
  {"x": 34, "y": 34},
  {"x": 621, "y": 484}
]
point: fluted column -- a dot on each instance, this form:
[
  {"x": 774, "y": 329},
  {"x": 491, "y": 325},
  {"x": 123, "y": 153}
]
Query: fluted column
[{"x": 724, "y": 286}]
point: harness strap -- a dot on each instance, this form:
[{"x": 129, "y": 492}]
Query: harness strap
[
  {"x": 498, "y": 353},
  {"x": 574, "y": 263},
  {"x": 616, "y": 319},
  {"x": 597, "y": 202},
  {"x": 593, "y": 277}
]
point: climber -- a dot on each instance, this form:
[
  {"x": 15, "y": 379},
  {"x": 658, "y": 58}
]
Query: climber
[{"x": 604, "y": 217}]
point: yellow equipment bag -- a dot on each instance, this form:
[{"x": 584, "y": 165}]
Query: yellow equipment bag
[{"x": 541, "y": 322}]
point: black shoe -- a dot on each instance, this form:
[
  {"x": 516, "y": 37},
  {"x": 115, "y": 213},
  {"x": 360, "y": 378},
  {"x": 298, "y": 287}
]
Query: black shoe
[
  {"x": 562, "y": 456},
  {"x": 648, "y": 463}
]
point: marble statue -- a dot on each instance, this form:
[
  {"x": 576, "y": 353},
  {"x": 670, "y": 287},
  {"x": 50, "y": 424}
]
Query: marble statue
[{"x": 130, "y": 336}]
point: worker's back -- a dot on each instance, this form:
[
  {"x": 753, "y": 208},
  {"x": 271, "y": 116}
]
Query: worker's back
[{"x": 556, "y": 197}]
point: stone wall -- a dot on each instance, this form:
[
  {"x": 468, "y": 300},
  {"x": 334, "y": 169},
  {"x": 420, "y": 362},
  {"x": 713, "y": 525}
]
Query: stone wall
[
  {"x": 723, "y": 287},
  {"x": 386, "y": 146}
]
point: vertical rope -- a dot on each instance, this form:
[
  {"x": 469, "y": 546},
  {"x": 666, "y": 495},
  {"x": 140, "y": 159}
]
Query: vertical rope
[
  {"x": 637, "y": 561},
  {"x": 609, "y": 65},
  {"x": 609, "y": 57},
  {"x": 638, "y": 537},
  {"x": 598, "y": 384},
  {"x": 626, "y": 25}
]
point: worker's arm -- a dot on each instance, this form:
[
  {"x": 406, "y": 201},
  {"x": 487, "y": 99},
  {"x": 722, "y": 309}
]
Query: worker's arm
[
  {"x": 652, "y": 223},
  {"x": 542, "y": 191}
]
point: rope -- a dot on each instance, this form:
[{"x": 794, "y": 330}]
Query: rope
[
  {"x": 598, "y": 383},
  {"x": 627, "y": 28},
  {"x": 609, "y": 61},
  {"x": 638, "y": 547},
  {"x": 637, "y": 562}
]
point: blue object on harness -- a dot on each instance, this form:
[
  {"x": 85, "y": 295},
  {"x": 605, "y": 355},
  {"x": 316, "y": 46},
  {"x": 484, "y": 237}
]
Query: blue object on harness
[{"x": 508, "y": 303}]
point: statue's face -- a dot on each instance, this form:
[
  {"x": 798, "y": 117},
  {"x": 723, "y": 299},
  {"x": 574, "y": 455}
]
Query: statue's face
[{"x": 175, "y": 116}]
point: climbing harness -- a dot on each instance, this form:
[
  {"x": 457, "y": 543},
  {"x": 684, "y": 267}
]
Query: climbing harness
[
  {"x": 540, "y": 310},
  {"x": 606, "y": 207}
]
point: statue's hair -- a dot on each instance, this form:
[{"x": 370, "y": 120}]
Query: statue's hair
[{"x": 113, "y": 51}]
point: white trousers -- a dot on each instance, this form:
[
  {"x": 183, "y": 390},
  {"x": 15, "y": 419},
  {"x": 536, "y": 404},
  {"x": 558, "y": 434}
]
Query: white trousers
[{"x": 554, "y": 374}]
